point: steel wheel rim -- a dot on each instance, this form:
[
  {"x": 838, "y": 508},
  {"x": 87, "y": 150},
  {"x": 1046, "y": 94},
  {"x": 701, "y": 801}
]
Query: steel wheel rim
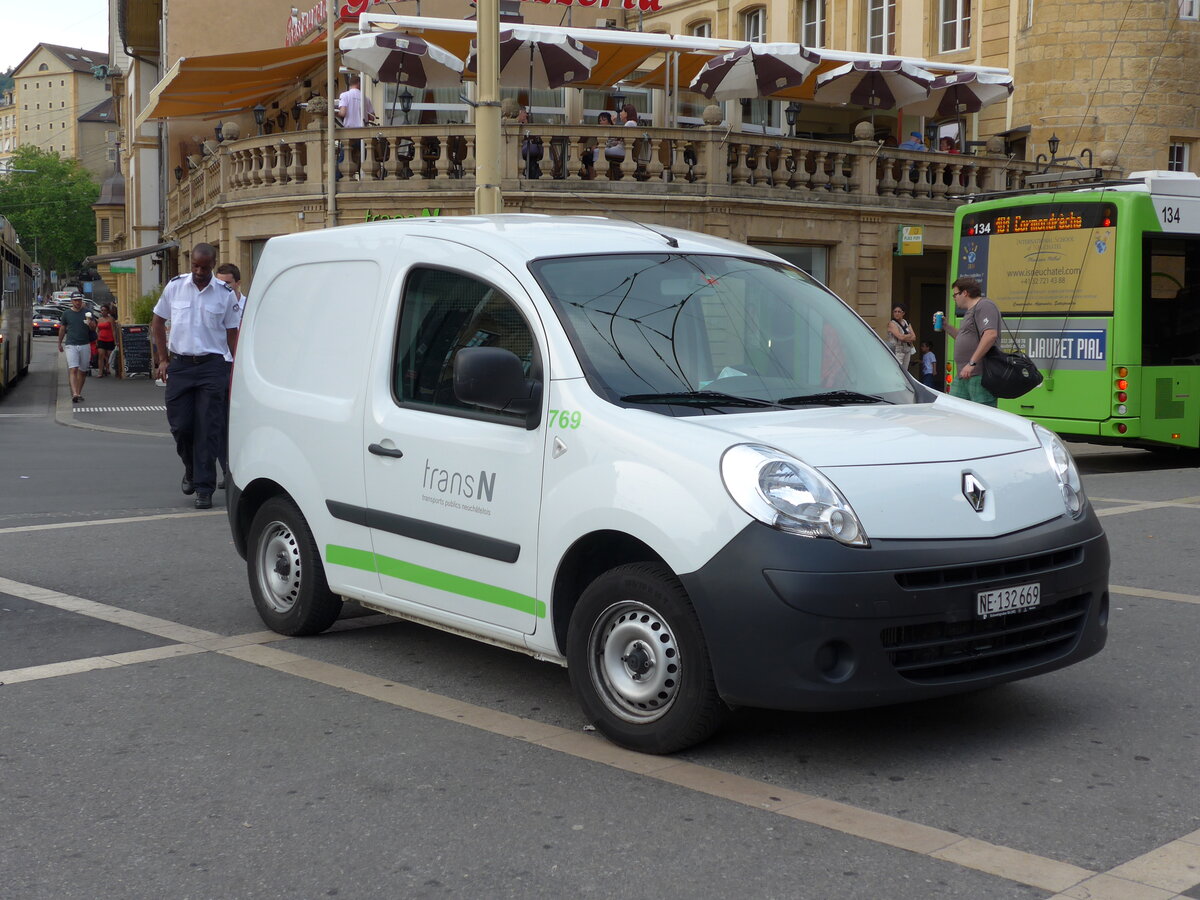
[
  {"x": 278, "y": 567},
  {"x": 634, "y": 662}
]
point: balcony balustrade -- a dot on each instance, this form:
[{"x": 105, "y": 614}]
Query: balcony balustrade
[{"x": 657, "y": 162}]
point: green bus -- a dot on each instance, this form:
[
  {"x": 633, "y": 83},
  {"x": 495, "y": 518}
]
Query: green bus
[
  {"x": 1100, "y": 285},
  {"x": 16, "y": 308}
]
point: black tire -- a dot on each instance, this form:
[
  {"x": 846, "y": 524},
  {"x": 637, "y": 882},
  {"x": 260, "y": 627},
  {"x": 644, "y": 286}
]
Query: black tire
[
  {"x": 287, "y": 579},
  {"x": 639, "y": 663}
]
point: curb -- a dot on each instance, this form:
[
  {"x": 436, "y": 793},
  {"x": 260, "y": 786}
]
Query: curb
[{"x": 63, "y": 407}]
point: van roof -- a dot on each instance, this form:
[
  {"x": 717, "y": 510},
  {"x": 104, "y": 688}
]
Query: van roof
[{"x": 534, "y": 235}]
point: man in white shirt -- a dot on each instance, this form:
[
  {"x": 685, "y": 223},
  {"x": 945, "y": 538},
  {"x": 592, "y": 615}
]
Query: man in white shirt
[
  {"x": 355, "y": 111},
  {"x": 351, "y": 105},
  {"x": 204, "y": 321}
]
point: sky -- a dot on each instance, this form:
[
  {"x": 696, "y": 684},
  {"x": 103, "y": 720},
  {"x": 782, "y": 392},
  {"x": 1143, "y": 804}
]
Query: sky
[{"x": 73, "y": 23}]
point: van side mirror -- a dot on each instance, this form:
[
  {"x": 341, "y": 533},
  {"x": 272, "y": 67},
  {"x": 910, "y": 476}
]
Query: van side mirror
[{"x": 494, "y": 378}]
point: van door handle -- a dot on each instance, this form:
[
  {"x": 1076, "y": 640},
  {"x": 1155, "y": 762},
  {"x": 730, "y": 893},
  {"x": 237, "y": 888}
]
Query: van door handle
[{"x": 380, "y": 450}]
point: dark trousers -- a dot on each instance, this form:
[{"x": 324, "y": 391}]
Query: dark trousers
[
  {"x": 930, "y": 379},
  {"x": 196, "y": 413}
]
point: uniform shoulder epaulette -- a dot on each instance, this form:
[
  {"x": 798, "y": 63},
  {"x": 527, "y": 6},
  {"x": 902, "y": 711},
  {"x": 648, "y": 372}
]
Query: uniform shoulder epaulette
[
  {"x": 184, "y": 275},
  {"x": 224, "y": 284}
]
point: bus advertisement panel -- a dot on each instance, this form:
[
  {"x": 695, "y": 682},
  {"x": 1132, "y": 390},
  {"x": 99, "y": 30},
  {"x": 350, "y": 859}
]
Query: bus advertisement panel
[{"x": 1043, "y": 258}]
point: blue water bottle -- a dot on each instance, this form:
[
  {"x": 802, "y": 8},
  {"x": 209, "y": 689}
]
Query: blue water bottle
[{"x": 938, "y": 318}]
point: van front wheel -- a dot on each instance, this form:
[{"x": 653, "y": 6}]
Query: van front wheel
[
  {"x": 639, "y": 663},
  {"x": 287, "y": 580}
]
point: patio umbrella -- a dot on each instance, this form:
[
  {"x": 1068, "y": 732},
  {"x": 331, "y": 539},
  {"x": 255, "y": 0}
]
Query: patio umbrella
[
  {"x": 538, "y": 57},
  {"x": 401, "y": 59},
  {"x": 874, "y": 84},
  {"x": 960, "y": 93},
  {"x": 756, "y": 70}
]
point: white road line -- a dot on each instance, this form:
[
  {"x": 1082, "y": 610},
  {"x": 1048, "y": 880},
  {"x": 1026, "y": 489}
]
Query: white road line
[
  {"x": 1152, "y": 876},
  {"x": 111, "y": 409},
  {"x": 18, "y": 529},
  {"x": 1154, "y": 595}
]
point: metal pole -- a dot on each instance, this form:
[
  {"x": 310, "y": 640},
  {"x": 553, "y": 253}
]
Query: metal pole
[
  {"x": 330, "y": 149},
  {"x": 488, "y": 146}
]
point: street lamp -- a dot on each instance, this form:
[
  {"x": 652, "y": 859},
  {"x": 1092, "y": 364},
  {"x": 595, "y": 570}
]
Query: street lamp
[
  {"x": 791, "y": 112},
  {"x": 218, "y": 132},
  {"x": 1053, "y": 144},
  {"x": 618, "y": 99},
  {"x": 260, "y": 113},
  {"x": 406, "y": 99},
  {"x": 178, "y": 174}
]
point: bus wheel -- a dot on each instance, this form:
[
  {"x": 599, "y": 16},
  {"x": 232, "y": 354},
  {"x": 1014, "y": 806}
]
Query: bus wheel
[
  {"x": 638, "y": 661},
  {"x": 287, "y": 579}
]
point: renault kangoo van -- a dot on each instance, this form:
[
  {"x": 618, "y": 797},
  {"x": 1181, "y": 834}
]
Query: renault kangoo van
[{"x": 675, "y": 464}]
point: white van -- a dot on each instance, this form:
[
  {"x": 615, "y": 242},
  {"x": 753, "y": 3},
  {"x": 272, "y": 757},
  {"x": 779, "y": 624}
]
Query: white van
[{"x": 675, "y": 464}]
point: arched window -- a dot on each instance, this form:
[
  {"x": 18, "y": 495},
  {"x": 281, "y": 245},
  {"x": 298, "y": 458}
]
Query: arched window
[
  {"x": 43, "y": 67},
  {"x": 754, "y": 24},
  {"x": 701, "y": 29}
]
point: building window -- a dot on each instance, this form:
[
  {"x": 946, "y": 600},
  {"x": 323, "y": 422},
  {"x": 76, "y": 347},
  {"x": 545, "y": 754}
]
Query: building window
[
  {"x": 1179, "y": 157},
  {"x": 811, "y": 258},
  {"x": 956, "y": 25},
  {"x": 105, "y": 230},
  {"x": 812, "y": 23},
  {"x": 701, "y": 29},
  {"x": 881, "y": 26},
  {"x": 1189, "y": 9},
  {"x": 43, "y": 67},
  {"x": 754, "y": 25}
]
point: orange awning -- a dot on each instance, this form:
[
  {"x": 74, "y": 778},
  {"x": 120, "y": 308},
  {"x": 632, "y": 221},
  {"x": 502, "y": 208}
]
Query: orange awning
[{"x": 208, "y": 85}]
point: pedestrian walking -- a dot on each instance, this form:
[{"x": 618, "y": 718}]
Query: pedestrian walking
[
  {"x": 232, "y": 276},
  {"x": 75, "y": 339},
  {"x": 204, "y": 321}
]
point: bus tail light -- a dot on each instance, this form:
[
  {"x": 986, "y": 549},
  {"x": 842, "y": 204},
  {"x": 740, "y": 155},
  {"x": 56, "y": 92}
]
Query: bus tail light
[
  {"x": 1122, "y": 428},
  {"x": 1122, "y": 397}
]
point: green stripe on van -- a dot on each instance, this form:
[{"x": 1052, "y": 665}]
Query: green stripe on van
[{"x": 442, "y": 581}]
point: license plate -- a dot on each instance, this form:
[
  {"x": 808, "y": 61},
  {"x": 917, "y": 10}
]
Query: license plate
[{"x": 1003, "y": 601}]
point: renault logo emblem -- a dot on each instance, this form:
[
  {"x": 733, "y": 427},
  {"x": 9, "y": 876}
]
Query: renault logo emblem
[{"x": 974, "y": 491}]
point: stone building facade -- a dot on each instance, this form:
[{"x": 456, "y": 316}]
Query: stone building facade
[{"x": 58, "y": 100}]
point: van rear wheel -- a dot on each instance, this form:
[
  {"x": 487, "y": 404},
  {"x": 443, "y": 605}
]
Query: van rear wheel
[
  {"x": 638, "y": 661},
  {"x": 287, "y": 579}
]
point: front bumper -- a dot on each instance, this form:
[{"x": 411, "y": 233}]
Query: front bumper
[{"x": 803, "y": 624}]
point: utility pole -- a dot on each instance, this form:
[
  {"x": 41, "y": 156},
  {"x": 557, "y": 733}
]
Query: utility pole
[{"x": 488, "y": 162}]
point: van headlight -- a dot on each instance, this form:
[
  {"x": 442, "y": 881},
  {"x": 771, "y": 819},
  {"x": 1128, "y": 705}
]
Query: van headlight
[
  {"x": 1064, "y": 468},
  {"x": 784, "y": 493}
]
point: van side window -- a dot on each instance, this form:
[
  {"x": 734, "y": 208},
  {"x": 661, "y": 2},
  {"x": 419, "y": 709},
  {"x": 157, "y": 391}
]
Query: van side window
[{"x": 442, "y": 312}]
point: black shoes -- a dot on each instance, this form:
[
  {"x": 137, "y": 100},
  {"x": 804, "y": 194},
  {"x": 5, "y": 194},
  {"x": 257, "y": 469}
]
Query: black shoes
[
  {"x": 186, "y": 485},
  {"x": 204, "y": 501}
]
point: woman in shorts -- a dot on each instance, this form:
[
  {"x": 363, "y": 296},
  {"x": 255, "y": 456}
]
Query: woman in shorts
[{"x": 106, "y": 337}]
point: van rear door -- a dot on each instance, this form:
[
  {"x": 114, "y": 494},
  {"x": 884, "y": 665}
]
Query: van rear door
[{"x": 453, "y": 490}]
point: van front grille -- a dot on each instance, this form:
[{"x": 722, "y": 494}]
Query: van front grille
[
  {"x": 940, "y": 652},
  {"x": 993, "y": 571}
]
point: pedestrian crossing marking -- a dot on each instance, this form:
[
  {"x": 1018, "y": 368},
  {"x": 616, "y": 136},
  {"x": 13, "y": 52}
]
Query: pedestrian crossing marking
[{"x": 119, "y": 409}]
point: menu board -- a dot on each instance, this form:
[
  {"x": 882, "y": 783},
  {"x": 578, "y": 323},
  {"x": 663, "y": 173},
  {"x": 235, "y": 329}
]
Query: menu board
[{"x": 135, "y": 350}]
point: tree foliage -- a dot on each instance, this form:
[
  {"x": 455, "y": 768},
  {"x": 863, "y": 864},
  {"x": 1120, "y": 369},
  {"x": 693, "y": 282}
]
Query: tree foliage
[{"x": 51, "y": 208}]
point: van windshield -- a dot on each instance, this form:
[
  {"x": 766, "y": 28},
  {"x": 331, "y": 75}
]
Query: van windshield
[{"x": 694, "y": 334}]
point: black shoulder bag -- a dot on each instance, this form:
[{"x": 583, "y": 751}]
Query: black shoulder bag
[{"x": 1008, "y": 374}]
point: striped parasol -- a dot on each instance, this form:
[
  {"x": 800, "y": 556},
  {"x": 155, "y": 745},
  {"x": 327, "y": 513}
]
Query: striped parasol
[{"x": 756, "y": 70}]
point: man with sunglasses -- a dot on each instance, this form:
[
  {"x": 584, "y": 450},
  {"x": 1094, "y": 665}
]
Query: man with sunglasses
[{"x": 976, "y": 334}]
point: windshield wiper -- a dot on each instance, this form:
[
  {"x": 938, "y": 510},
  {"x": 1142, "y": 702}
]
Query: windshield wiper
[
  {"x": 698, "y": 398},
  {"x": 832, "y": 398}
]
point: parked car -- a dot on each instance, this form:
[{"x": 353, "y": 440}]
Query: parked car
[
  {"x": 676, "y": 464},
  {"x": 46, "y": 321}
]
